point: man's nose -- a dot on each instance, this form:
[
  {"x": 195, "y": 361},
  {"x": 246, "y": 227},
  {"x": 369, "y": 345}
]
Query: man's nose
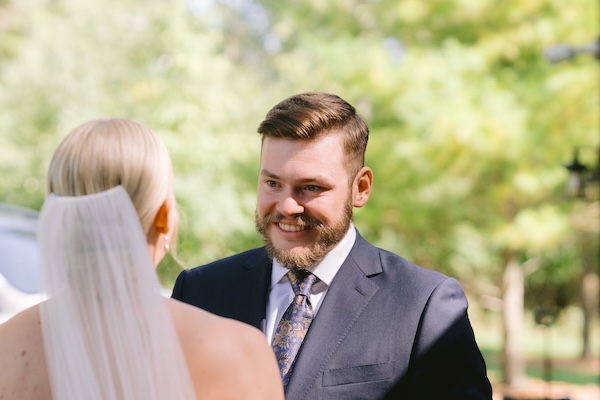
[{"x": 289, "y": 206}]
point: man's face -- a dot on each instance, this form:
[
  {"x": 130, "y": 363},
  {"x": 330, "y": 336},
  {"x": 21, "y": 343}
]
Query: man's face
[{"x": 304, "y": 204}]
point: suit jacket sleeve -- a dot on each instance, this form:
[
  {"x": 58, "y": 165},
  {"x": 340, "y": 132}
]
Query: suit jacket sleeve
[{"x": 445, "y": 362}]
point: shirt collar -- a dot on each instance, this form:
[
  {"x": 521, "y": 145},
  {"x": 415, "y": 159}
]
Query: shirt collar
[{"x": 328, "y": 267}]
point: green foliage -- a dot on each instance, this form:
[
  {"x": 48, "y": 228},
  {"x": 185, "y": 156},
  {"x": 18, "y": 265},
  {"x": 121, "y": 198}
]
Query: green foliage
[{"x": 469, "y": 123}]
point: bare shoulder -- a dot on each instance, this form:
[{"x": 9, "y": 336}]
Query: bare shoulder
[
  {"x": 194, "y": 322},
  {"x": 227, "y": 358},
  {"x": 22, "y": 361},
  {"x": 21, "y": 331}
]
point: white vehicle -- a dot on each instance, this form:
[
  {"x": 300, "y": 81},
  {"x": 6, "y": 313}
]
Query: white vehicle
[{"x": 20, "y": 276}]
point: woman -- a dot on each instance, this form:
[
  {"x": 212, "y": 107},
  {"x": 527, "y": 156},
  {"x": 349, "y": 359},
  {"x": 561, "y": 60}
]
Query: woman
[{"x": 105, "y": 332}]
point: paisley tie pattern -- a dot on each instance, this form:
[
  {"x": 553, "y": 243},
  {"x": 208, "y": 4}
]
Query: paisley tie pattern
[{"x": 294, "y": 324}]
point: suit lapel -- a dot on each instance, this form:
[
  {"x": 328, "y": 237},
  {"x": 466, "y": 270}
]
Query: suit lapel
[{"x": 349, "y": 293}]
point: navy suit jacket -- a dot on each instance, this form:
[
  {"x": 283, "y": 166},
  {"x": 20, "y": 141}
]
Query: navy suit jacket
[{"x": 387, "y": 329}]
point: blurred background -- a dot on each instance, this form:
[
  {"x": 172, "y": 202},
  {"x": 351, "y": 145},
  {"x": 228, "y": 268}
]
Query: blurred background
[{"x": 485, "y": 140}]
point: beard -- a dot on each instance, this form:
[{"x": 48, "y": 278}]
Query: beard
[{"x": 328, "y": 236}]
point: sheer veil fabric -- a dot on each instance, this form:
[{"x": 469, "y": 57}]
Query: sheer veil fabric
[{"x": 107, "y": 331}]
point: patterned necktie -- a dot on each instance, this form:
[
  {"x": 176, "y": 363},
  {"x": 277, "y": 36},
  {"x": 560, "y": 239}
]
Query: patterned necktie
[{"x": 294, "y": 324}]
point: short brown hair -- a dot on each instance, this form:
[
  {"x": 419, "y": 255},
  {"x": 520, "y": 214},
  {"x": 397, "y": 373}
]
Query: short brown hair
[{"x": 307, "y": 116}]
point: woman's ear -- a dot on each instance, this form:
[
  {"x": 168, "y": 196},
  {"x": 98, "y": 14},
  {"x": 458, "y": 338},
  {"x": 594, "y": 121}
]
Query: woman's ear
[
  {"x": 362, "y": 187},
  {"x": 161, "y": 221}
]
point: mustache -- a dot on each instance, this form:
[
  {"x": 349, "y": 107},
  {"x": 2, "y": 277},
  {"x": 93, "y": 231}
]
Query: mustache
[{"x": 301, "y": 220}]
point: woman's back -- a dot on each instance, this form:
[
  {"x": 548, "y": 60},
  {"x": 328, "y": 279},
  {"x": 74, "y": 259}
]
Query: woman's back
[{"x": 226, "y": 359}]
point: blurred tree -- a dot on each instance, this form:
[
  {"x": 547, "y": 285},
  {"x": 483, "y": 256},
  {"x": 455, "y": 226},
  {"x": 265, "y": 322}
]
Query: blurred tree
[{"x": 157, "y": 62}]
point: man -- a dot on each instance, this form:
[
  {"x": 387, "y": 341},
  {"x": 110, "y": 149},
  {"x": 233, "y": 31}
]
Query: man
[{"x": 382, "y": 328}]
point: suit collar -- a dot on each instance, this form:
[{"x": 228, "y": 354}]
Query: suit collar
[
  {"x": 365, "y": 257},
  {"x": 256, "y": 259}
]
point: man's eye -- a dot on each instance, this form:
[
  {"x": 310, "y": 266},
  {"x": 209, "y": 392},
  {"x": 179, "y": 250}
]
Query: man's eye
[
  {"x": 312, "y": 188},
  {"x": 271, "y": 183}
]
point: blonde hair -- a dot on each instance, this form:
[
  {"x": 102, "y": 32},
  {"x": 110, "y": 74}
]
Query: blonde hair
[{"x": 103, "y": 153}]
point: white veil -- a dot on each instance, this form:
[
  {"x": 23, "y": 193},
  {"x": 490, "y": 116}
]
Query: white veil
[{"x": 107, "y": 331}]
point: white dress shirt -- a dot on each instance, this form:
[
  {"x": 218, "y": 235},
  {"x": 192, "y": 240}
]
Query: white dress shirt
[{"x": 281, "y": 293}]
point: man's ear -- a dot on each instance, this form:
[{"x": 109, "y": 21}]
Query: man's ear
[
  {"x": 161, "y": 221},
  {"x": 362, "y": 187}
]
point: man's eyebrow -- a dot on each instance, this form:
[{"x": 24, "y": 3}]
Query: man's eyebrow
[
  {"x": 318, "y": 179},
  {"x": 267, "y": 173}
]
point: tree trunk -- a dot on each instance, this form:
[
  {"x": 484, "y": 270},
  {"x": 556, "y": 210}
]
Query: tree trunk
[
  {"x": 589, "y": 300},
  {"x": 590, "y": 286},
  {"x": 513, "y": 315},
  {"x": 585, "y": 220}
]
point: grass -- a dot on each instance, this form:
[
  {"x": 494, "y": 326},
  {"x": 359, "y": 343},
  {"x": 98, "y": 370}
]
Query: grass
[
  {"x": 564, "y": 374},
  {"x": 561, "y": 343},
  {"x": 569, "y": 370}
]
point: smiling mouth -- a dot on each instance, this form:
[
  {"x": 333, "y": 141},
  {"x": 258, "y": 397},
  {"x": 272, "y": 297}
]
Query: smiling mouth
[{"x": 293, "y": 228}]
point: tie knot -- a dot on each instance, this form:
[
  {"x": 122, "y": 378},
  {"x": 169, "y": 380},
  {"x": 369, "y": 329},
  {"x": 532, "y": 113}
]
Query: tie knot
[{"x": 302, "y": 281}]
